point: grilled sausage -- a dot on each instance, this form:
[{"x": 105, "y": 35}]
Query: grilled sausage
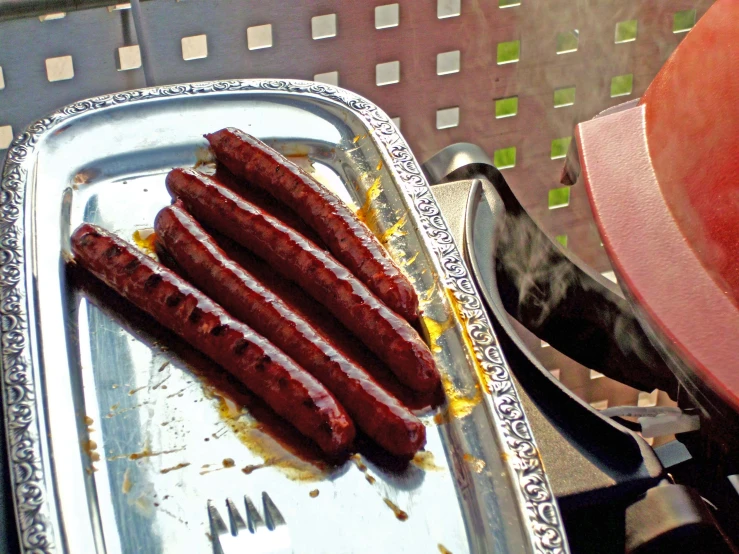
[
  {"x": 348, "y": 239},
  {"x": 373, "y": 410},
  {"x": 287, "y": 388},
  {"x": 330, "y": 283}
]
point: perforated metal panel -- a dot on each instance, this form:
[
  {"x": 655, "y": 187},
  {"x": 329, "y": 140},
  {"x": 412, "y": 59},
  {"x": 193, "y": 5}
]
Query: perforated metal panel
[{"x": 513, "y": 76}]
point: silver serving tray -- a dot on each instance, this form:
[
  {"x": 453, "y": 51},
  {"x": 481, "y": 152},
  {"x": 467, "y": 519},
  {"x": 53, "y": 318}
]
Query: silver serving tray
[{"x": 75, "y": 371}]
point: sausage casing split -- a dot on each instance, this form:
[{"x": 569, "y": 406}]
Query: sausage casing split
[
  {"x": 348, "y": 239},
  {"x": 287, "y": 388},
  {"x": 385, "y": 333},
  {"x": 373, "y": 410}
]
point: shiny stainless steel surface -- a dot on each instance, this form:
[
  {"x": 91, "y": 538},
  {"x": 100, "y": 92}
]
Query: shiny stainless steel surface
[
  {"x": 252, "y": 535},
  {"x": 116, "y": 445}
]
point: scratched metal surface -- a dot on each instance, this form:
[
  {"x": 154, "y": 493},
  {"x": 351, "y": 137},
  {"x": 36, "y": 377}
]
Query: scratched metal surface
[{"x": 116, "y": 443}]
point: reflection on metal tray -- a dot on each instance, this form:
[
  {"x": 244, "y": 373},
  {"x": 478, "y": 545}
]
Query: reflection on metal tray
[{"x": 115, "y": 443}]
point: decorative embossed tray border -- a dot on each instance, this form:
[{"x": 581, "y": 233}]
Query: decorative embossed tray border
[{"x": 24, "y": 423}]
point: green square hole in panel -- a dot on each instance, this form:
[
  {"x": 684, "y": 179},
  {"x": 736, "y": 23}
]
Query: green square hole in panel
[
  {"x": 622, "y": 85},
  {"x": 683, "y": 21},
  {"x": 564, "y": 97},
  {"x": 506, "y": 107},
  {"x": 505, "y": 158},
  {"x": 568, "y": 42},
  {"x": 508, "y": 52},
  {"x": 560, "y": 147},
  {"x": 559, "y": 197},
  {"x": 562, "y": 239},
  {"x": 626, "y": 31},
  {"x": 508, "y": 3}
]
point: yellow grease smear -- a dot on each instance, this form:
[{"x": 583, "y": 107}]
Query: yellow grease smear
[
  {"x": 459, "y": 403},
  {"x": 409, "y": 261},
  {"x": 145, "y": 239},
  {"x": 367, "y": 213},
  {"x": 425, "y": 461},
  {"x": 250, "y": 433},
  {"x": 477, "y": 464},
  {"x": 395, "y": 229},
  {"x": 429, "y": 294},
  {"x": 379, "y": 165},
  {"x": 435, "y": 329},
  {"x": 484, "y": 377}
]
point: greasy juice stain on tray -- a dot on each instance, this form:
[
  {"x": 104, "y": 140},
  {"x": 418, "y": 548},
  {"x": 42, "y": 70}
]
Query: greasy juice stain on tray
[
  {"x": 460, "y": 403},
  {"x": 393, "y": 231},
  {"x": 408, "y": 261},
  {"x": 357, "y": 459},
  {"x": 253, "y": 435},
  {"x": 145, "y": 452},
  {"x": 127, "y": 483},
  {"x": 485, "y": 379},
  {"x": 145, "y": 240},
  {"x": 175, "y": 468},
  {"x": 477, "y": 464},
  {"x": 361, "y": 466},
  {"x": 425, "y": 460},
  {"x": 426, "y": 297},
  {"x": 435, "y": 329},
  {"x": 90, "y": 448},
  {"x": 368, "y": 212},
  {"x": 400, "y": 514},
  {"x": 248, "y": 470}
]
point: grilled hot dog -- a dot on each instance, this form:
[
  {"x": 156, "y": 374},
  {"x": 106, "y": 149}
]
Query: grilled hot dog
[
  {"x": 348, "y": 239},
  {"x": 287, "y": 388}
]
